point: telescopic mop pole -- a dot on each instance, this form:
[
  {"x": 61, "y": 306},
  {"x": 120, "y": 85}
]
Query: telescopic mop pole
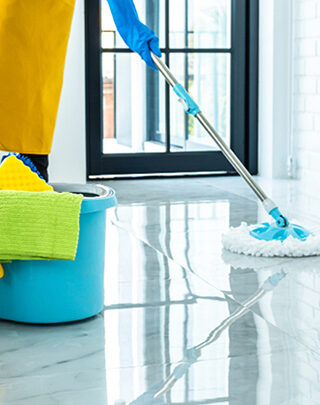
[{"x": 192, "y": 108}]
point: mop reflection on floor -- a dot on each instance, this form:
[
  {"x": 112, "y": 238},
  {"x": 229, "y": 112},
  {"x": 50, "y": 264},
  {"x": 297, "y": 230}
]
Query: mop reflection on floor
[{"x": 192, "y": 355}]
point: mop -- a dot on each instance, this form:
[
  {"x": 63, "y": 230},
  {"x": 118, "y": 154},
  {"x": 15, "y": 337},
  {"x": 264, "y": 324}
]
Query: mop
[
  {"x": 276, "y": 238},
  {"x": 273, "y": 264},
  {"x": 155, "y": 394}
]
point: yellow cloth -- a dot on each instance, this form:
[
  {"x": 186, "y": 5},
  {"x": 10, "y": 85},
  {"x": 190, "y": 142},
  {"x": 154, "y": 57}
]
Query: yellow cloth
[
  {"x": 15, "y": 175},
  {"x": 33, "y": 43}
]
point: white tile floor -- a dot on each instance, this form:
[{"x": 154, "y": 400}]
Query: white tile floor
[{"x": 184, "y": 322}]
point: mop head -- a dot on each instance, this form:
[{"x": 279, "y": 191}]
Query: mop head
[
  {"x": 242, "y": 262},
  {"x": 239, "y": 240},
  {"x": 274, "y": 264}
]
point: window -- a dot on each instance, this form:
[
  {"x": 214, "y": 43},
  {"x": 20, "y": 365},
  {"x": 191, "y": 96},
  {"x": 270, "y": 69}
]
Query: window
[{"x": 135, "y": 124}]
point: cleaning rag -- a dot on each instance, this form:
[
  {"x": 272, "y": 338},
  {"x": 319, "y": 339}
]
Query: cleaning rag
[{"x": 39, "y": 225}]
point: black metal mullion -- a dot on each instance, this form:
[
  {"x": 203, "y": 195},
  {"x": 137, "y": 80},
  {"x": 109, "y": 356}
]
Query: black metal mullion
[
  {"x": 94, "y": 88},
  {"x": 252, "y": 88},
  {"x": 167, "y": 87},
  {"x": 146, "y": 163},
  {"x": 152, "y": 90},
  {"x": 173, "y": 50},
  {"x": 186, "y": 66},
  {"x": 238, "y": 79},
  {"x": 167, "y": 25}
]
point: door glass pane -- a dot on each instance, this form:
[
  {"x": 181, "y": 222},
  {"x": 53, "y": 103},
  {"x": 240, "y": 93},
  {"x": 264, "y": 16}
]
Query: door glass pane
[
  {"x": 200, "y": 24},
  {"x": 207, "y": 78},
  {"x": 133, "y": 106},
  {"x": 151, "y": 13}
]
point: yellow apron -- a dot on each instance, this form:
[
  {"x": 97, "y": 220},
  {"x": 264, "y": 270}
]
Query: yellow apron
[{"x": 33, "y": 43}]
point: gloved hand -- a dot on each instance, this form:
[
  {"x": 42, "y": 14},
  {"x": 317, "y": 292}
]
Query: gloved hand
[{"x": 136, "y": 35}]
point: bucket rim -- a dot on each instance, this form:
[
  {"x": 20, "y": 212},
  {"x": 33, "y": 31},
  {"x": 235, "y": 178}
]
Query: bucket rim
[{"x": 99, "y": 191}]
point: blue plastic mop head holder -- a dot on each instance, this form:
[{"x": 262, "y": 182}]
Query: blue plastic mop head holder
[
  {"x": 190, "y": 105},
  {"x": 279, "y": 230},
  {"x": 281, "y": 221}
]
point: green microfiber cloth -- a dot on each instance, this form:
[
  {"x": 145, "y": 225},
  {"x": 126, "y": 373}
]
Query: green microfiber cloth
[{"x": 39, "y": 225}]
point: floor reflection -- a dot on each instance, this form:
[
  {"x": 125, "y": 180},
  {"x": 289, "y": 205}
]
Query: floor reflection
[
  {"x": 183, "y": 323},
  {"x": 189, "y": 232},
  {"x": 193, "y": 354},
  {"x": 167, "y": 352}
]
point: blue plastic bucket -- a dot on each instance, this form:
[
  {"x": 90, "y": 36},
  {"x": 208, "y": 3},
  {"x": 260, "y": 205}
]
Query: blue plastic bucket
[{"x": 62, "y": 291}]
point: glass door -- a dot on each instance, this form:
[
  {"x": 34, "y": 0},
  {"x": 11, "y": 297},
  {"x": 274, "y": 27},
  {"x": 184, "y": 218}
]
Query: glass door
[{"x": 135, "y": 124}]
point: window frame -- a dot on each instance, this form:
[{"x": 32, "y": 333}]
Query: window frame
[{"x": 244, "y": 103}]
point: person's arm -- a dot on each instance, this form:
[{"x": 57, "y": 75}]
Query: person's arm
[{"x": 136, "y": 35}]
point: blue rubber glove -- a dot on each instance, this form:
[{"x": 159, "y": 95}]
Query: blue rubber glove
[{"x": 136, "y": 35}]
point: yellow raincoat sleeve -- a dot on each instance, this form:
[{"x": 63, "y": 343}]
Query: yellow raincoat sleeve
[{"x": 33, "y": 44}]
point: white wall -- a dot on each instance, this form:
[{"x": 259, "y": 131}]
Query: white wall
[
  {"x": 275, "y": 87},
  {"x": 306, "y": 112},
  {"x": 289, "y": 100},
  {"x": 68, "y": 157}
]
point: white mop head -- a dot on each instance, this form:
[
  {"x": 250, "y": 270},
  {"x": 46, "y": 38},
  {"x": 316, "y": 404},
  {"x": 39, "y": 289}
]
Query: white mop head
[
  {"x": 257, "y": 263},
  {"x": 274, "y": 264},
  {"x": 239, "y": 240}
]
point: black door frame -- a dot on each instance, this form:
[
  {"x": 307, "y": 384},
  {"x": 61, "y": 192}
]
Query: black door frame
[{"x": 244, "y": 104}]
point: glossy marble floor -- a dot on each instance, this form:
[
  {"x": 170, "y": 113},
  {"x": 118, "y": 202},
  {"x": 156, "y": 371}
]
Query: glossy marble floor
[{"x": 184, "y": 322}]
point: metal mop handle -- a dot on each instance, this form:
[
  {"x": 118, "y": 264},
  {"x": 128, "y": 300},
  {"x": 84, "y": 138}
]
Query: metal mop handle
[{"x": 192, "y": 108}]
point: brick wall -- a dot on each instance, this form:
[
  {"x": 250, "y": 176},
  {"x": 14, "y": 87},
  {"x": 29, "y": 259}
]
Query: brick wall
[
  {"x": 108, "y": 108},
  {"x": 306, "y": 97}
]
